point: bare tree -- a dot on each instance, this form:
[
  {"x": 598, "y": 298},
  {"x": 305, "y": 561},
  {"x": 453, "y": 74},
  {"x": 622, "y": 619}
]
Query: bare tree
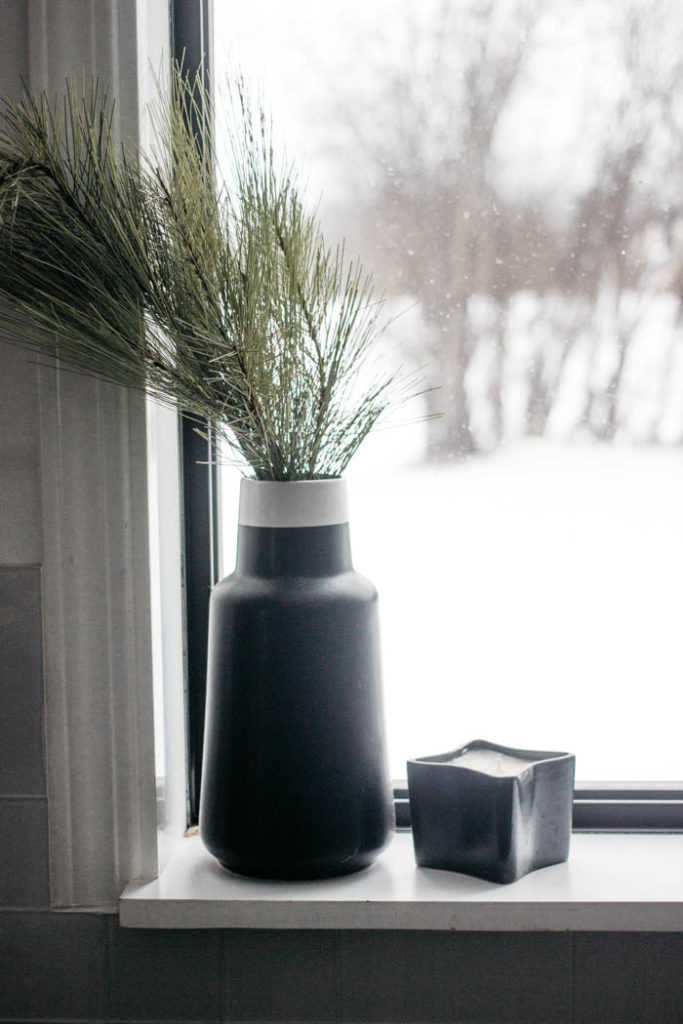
[
  {"x": 626, "y": 200},
  {"x": 427, "y": 153},
  {"x": 428, "y": 204}
]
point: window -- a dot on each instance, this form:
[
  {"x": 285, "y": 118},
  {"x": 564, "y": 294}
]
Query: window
[
  {"x": 526, "y": 221},
  {"x": 99, "y": 738}
]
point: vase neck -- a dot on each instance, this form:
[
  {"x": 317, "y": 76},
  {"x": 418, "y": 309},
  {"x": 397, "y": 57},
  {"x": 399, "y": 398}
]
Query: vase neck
[
  {"x": 293, "y": 551},
  {"x": 293, "y": 504}
]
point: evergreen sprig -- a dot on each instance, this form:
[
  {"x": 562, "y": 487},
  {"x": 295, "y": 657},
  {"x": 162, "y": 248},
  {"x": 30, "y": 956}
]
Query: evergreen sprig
[{"x": 219, "y": 297}]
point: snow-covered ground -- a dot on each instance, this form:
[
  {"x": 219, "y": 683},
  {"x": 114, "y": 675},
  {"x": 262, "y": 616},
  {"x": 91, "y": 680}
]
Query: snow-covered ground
[{"x": 531, "y": 597}]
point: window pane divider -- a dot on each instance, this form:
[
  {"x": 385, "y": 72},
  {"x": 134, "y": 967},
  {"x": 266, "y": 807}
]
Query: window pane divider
[{"x": 603, "y": 807}]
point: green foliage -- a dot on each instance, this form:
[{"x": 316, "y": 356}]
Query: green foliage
[{"x": 218, "y": 297}]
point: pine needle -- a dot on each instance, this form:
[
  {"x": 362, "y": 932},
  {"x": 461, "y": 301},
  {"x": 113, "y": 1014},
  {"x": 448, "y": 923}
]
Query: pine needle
[{"x": 218, "y": 297}]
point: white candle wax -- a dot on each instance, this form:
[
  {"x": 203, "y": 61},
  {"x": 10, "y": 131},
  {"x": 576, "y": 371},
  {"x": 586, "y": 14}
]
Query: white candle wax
[{"x": 492, "y": 762}]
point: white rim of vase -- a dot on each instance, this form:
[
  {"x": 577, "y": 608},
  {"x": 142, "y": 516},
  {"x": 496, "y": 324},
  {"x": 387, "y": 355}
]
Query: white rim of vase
[{"x": 296, "y": 503}]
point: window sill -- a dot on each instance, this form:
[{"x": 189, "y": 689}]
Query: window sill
[{"x": 624, "y": 882}]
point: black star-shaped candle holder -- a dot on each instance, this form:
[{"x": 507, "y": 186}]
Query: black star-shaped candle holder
[{"x": 491, "y": 811}]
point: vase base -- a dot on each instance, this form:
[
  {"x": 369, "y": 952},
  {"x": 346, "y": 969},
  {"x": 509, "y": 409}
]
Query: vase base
[{"x": 298, "y": 872}]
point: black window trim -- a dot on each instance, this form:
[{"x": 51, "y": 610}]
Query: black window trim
[
  {"x": 603, "y": 807},
  {"x": 190, "y": 44},
  {"x": 598, "y": 806}
]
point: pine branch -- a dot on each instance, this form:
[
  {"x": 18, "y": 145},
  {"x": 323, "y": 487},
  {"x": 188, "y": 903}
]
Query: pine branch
[
  {"x": 168, "y": 198},
  {"x": 224, "y": 300}
]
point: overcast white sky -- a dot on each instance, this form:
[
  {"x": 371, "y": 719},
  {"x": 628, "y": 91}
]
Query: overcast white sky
[{"x": 303, "y": 51}]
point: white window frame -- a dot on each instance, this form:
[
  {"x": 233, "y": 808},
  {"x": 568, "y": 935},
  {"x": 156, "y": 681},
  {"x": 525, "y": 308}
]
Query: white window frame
[{"x": 99, "y": 736}]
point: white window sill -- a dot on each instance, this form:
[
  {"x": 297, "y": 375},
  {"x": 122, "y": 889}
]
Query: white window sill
[{"x": 625, "y": 882}]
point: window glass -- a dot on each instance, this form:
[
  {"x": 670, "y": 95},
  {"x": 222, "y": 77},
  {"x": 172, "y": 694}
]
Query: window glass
[{"x": 510, "y": 172}]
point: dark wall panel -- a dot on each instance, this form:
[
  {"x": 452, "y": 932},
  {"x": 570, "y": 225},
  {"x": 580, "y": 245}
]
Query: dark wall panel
[
  {"x": 83, "y": 967},
  {"x": 22, "y": 770},
  {"x": 53, "y": 966}
]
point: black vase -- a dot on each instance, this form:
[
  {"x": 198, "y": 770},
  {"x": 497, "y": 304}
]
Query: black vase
[{"x": 294, "y": 781}]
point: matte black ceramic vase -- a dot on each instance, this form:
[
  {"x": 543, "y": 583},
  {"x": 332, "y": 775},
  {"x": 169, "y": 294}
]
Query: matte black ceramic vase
[{"x": 294, "y": 782}]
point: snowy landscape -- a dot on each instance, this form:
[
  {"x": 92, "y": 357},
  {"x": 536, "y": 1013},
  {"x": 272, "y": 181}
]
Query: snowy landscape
[
  {"x": 511, "y": 176},
  {"x": 532, "y": 598}
]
